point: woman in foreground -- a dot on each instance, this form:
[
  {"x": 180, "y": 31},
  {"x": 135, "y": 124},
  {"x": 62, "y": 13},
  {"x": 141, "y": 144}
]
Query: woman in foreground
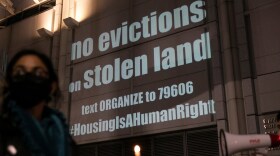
[{"x": 28, "y": 126}]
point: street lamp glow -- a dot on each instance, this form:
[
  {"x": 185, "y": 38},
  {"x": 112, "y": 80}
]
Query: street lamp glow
[{"x": 137, "y": 148}]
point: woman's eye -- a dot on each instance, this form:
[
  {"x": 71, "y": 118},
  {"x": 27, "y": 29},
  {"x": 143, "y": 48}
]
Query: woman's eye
[
  {"x": 19, "y": 72},
  {"x": 40, "y": 73}
]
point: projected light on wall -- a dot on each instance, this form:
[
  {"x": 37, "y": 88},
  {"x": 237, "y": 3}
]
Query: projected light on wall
[
  {"x": 39, "y": 1},
  {"x": 36, "y": 1},
  {"x": 84, "y": 10},
  {"x": 46, "y": 20}
]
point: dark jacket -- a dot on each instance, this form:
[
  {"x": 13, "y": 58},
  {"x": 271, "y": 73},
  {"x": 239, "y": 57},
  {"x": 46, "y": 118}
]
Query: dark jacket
[{"x": 11, "y": 136}]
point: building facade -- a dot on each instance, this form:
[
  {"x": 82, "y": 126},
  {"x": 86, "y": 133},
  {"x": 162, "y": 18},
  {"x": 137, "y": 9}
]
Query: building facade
[{"x": 164, "y": 75}]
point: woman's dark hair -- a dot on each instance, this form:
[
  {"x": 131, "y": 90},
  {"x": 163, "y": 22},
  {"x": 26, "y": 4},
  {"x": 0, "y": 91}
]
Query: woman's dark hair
[
  {"x": 278, "y": 117},
  {"x": 46, "y": 61}
]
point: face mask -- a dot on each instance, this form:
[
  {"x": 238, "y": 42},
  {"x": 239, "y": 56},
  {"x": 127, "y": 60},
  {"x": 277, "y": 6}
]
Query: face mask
[{"x": 29, "y": 90}]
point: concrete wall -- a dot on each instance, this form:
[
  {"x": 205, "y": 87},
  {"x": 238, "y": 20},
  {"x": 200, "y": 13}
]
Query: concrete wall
[{"x": 242, "y": 77}]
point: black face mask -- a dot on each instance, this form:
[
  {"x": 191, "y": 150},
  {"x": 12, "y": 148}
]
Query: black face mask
[{"x": 29, "y": 90}]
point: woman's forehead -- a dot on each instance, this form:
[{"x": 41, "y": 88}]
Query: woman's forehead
[{"x": 30, "y": 62}]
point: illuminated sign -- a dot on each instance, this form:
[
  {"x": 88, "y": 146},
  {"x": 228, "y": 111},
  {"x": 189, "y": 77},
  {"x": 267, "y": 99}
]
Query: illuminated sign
[{"x": 144, "y": 75}]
